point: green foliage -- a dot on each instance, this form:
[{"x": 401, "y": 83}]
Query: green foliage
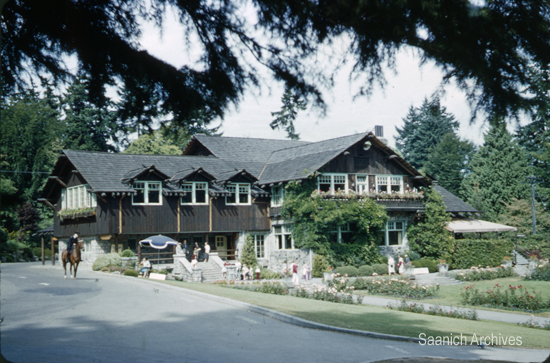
[
  {"x": 130, "y": 272},
  {"x": 537, "y": 244},
  {"x": 518, "y": 213},
  {"x": 541, "y": 273},
  {"x": 511, "y": 297},
  {"x": 429, "y": 236},
  {"x": 248, "y": 256},
  {"x": 314, "y": 217},
  {"x": 266, "y": 274},
  {"x": 351, "y": 271},
  {"x": 365, "y": 270},
  {"x": 320, "y": 265},
  {"x": 109, "y": 259},
  {"x": 478, "y": 252},
  {"x": 447, "y": 161},
  {"x": 285, "y": 118},
  {"x": 153, "y": 143},
  {"x": 127, "y": 253},
  {"x": 394, "y": 287},
  {"x": 479, "y": 274},
  {"x": 426, "y": 262},
  {"x": 434, "y": 310},
  {"x": 424, "y": 128},
  {"x": 380, "y": 268},
  {"x": 499, "y": 171}
]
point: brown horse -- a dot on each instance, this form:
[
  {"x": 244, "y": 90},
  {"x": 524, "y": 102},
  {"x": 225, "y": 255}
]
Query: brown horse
[{"x": 74, "y": 259}]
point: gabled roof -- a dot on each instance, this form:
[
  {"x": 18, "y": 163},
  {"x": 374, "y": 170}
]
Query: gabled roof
[
  {"x": 240, "y": 148},
  {"x": 299, "y": 162},
  {"x": 453, "y": 203}
]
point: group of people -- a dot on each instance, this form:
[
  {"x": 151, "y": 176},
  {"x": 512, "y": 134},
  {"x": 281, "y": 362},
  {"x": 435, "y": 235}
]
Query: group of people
[
  {"x": 244, "y": 272},
  {"x": 400, "y": 264},
  {"x": 294, "y": 270},
  {"x": 183, "y": 249}
]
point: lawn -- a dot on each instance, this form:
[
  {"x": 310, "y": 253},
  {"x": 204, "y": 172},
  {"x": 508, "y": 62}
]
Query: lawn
[
  {"x": 450, "y": 295},
  {"x": 376, "y": 319}
]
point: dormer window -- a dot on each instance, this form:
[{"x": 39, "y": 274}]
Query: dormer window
[
  {"x": 148, "y": 193},
  {"x": 195, "y": 193},
  {"x": 333, "y": 182},
  {"x": 240, "y": 194}
]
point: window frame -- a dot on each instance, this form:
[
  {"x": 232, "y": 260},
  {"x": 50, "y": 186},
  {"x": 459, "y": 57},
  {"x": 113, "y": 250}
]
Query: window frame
[
  {"x": 78, "y": 196},
  {"x": 194, "y": 193},
  {"x": 237, "y": 193},
  {"x": 277, "y": 195},
  {"x": 146, "y": 191},
  {"x": 259, "y": 244},
  {"x": 332, "y": 177},
  {"x": 389, "y": 183},
  {"x": 282, "y": 237},
  {"x": 391, "y": 226}
]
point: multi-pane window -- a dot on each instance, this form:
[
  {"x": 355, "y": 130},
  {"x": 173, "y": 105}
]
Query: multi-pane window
[
  {"x": 148, "y": 192},
  {"x": 259, "y": 245},
  {"x": 240, "y": 194},
  {"x": 362, "y": 184},
  {"x": 195, "y": 193},
  {"x": 78, "y": 197},
  {"x": 277, "y": 195},
  {"x": 341, "y": 233},
  {"x": 389, "y": 184},
  {"x": 283, "y": 236},
  {"x": 395, "y": 230},
  {"x": 333, "y": 182}
]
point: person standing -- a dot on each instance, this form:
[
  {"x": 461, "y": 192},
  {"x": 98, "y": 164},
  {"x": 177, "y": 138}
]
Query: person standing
[
  {"x": 257, "y": 272},
  {"x": 196, "y": 251},
  {"x": 238, "y": 268},
  {"x": 294, "y": 269},
  {"x": 391, "y": 265},
  {"x": 245, "y": 272},
  {"x": 206, "y": 251},
  {"x": 185, "y": 247},
  {"x": 401, "y": 265},
  {"x": 306, "y": 272},
  {"x": 70, "y": 244}
]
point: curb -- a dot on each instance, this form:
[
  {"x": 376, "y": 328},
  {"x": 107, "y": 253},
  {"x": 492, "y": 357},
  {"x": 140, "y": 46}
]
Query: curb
[{"x": 285, "y": 318}]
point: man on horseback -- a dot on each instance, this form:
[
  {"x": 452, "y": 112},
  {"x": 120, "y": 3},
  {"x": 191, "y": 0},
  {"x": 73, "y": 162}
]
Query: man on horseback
[{"x": 70, "y": 244}]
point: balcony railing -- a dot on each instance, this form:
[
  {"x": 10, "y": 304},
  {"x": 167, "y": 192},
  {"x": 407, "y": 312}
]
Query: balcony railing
[{"x": 407, "y": 196}]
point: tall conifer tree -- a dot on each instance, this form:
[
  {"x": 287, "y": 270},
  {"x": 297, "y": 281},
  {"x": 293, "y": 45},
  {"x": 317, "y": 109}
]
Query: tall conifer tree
[{"x": 499, "y": 171}]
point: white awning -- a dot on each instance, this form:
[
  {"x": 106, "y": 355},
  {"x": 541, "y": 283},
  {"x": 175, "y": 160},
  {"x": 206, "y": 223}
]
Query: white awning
[{"x": 467, "y": 225}]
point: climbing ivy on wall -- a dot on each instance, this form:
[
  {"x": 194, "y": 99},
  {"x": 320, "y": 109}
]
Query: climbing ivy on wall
[{"x": 313, "y": 217}]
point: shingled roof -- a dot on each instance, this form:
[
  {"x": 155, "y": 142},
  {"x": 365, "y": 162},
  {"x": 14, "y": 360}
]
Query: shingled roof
[
  {"x": 454, "y": 204},
  {"x": 241, "y": 148}
]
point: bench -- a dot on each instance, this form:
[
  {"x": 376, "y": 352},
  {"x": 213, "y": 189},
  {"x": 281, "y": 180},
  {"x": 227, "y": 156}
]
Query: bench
[{"x": 421, "y": 271}]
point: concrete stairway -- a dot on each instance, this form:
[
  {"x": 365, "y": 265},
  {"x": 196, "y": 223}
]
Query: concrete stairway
[
  {"x": 210, "y": 272},
  {"x": 520, "y": 260}
]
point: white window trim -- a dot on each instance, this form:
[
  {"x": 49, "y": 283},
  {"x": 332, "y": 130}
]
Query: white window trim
[
  {"x": 332, "y": 175},
  {"x": 146, "y": 192},
  {"x": 256, "y": 237},
  {"x": 193, "y": 194},
  {"x": 78, "y": 196},
  {"x": 389, "y": 184},
  {"x": 339, "y": 230},
  {"x": 237, "y": 199},
  {"x": 285, "y": 231},
  {"x": 280, "y": 195}
]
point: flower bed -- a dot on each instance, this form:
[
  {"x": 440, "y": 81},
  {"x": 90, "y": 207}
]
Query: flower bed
[
  {"x": 402, "y": 287},
  {"x": 512, "y": 297},
  {"x": 532, "y": 323},
  {"x": 325, "y": 293},
  {"x": 489, "y": 273},
  {"x": 267, "y": 287},
  {"x": 469, "y": 314}
]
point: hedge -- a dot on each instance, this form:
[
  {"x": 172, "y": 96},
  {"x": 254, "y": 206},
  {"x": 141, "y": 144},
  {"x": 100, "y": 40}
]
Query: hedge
[
  {"x": 426, "y": 262},
  {"x": 366, "y": 270},
  {"x": 347, "y": 270},
  {"x": 478, "y": 252},
  {"x": 110, "y": 259}
]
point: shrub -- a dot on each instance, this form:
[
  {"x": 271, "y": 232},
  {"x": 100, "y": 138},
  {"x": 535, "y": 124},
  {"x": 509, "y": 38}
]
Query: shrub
[
  {"x": 266, "y": 274},
  {"x": 477, "y": 274},
  {"x": 512, "y": 297},
  {"x": 127, "y": 253},
  {"x": 414, "y": 256},
  {"x": 27, "y": 253},
  {"x": 541, "y": 273},
  {"x": 435, "y": 310},
  {"x": 347, "y": 270},
  {"x": 430, "y": 264},
  {"x": 380, "y": 269},
  {"x": 37, "y": 251},
  {"x": 477, "y": 252},
  {"x": 365, "y": 270},
  {"x": 320, "y": 265},
  {"x": 129, "y": 272},
  {"x": 395, "y": 287},
  {"x": 106, "y": 260}
]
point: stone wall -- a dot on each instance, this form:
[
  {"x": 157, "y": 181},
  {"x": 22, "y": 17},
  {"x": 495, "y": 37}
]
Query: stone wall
[{"x": 278, "y": 259}]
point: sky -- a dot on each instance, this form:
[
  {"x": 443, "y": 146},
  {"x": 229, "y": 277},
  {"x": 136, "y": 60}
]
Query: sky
[{"x": 345, "y": 114}]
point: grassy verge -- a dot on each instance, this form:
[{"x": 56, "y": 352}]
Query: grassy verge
[
  {"x": 376, "y": 319},
  {"x": 450, "y": 295}
]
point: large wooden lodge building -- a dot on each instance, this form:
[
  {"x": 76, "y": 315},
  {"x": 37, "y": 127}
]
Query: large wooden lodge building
[{"x": 223, "y": 188}]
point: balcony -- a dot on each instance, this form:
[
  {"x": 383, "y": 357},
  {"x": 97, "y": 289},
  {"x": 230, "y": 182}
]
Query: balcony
[{"x": 410, "y": 200}]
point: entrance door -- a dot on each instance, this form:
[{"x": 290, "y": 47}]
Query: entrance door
[{"x": 221, "y": 246}]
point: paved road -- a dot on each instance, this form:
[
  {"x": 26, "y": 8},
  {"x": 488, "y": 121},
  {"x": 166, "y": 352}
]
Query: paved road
[{"x": 103, "y": 318}]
